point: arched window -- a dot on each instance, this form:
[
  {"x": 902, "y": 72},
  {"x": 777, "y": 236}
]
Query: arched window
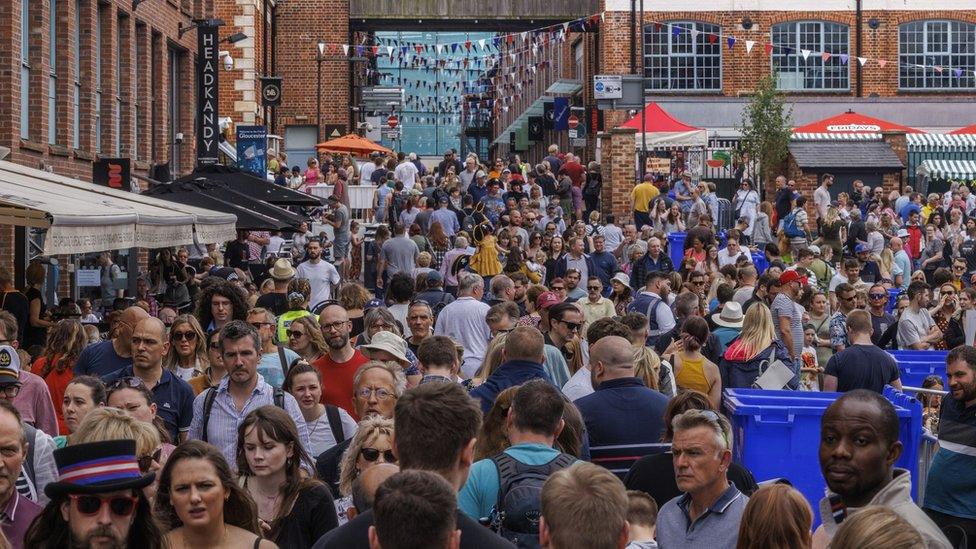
[
  {"x": 937, "y": 55},
  {"x": 683, "y": 55},
  {"x": 813, "y": 71}
]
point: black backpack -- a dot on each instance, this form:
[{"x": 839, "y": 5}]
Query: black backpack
[{"x": 516, "y": 514}]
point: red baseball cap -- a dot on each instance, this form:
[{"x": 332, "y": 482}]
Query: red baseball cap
[
  {"x": 791, "y": 276},
  {"x": 546, "y": 300}
]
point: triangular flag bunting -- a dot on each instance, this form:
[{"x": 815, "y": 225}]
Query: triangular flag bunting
[
  {"x": 389, "y": 51},
  {"x": 731, "y": 42},
  {"x": 345, "y": 49},
  {"x": 768, "y": 48},
  {"x": 806, "y": 53},
  {"x": 695, "y": 33},
  {"x": 938, "y": 68},
  {"x": 882, "y": 62},
  {"x": 439, "y": 49},
  {"x": 712, "y": 38},
  {"x": 749, "y": 45},
  {"x": 958, "y": 72},
  {"x": 862, "y": 60},
  {"x": 825, "y": 56},
  {"x": 844, "y": 58},
  {"x": 675, "y": 30}
]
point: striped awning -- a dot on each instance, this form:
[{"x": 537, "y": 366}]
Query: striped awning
[
  {"x": 835, "y": 136},
  {"x": 941, "y": 142},
  {"x": 948, "y": 169}
]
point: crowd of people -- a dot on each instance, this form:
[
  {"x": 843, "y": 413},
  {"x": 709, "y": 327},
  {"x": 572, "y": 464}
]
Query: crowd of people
[{"x": 454, "y": 381}]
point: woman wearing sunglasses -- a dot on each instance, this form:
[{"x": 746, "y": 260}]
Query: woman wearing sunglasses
[
  {"x": 113, "y": 424},
  {"x": 187, "y": 357},
  {"x": 372, "y": 444},
  {"x": 82, "y": 395},
  {"x": 201, "y": 505},
  {"x": 293, "y": 510},
  {"x": 305, "y": 338}
]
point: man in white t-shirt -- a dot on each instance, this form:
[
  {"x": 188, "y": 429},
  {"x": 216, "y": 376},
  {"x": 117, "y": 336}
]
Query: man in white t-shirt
[
  {"x": 821, "y": 196},
  {"x": 321, "y": 275},
  {"x": 731, "y": 253},
  {"x": 406, "y": 171},
  {"x": 916, "y": 328}
]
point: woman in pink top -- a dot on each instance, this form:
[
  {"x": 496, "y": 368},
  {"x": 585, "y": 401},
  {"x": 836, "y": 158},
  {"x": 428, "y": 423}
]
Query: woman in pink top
[{"x": 312, "y": 175}]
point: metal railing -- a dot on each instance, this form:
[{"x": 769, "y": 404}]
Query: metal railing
[{"x": 928, "y": 446}]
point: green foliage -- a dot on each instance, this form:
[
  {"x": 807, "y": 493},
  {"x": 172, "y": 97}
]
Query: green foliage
[{"x": 766, "y": 128}]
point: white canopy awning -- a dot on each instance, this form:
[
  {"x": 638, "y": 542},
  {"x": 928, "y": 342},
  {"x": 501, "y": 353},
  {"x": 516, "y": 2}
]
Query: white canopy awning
[
  {"x": 83, "y": 217},
  {"x": 663, "y": 140}
]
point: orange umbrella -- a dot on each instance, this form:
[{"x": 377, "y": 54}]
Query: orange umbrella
[{"x": 351, "y": 144}]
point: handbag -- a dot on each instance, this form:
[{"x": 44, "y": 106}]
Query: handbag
[{"x": 774, "y": 377}]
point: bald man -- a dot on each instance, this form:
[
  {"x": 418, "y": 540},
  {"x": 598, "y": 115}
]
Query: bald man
[
  {"x": 102, "y": 359},
  {"x": 173, "y": 396},
  {"x": 622, "y": 409},
  {"x": 364, "y": 487}
]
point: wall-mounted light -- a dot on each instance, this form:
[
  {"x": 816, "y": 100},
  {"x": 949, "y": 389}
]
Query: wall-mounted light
[
  {"x": 874, "y": 23},
  {"x": 746, "y": 22}
]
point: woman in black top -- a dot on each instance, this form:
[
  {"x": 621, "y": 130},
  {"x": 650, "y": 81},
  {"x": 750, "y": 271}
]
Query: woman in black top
[
  {"x": 293, "y": 510},
  {"x": 37, "y": 325},
  {"x": 654, "y": 474}
]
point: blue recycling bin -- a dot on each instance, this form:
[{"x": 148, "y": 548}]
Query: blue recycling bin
[
  {"x": 777, "y": 434},
  {"x": 676, "y": 248},
  {"x": 915, "y": 366}
]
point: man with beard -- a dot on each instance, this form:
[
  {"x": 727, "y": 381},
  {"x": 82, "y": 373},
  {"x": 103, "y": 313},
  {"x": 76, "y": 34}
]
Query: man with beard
[
  {"x": 217, "y": 412},
  {"x": 18, "y": 509},
  {"x": 950, "y": 493},
  {"x": 94, "y": 504},
  {"x": 858, "y": 449},
  {"x": 321, "y": 275},
  {"x": 338, "y": 366}
]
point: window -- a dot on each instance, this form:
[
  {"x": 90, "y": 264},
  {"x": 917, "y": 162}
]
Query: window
[
  {"x": 683, "y": 55},
  {"x": 52, "y": 84},
  {"x": 140, "y": 88},
  {"x": 175, "y": 108},
  {"x": 98, "y": 80},
  {"x": 25, "y": 72},
  {"x": 76, "y": 107},
  {"x": 936, "y": 55},
  {"x": 578, "y": 61},
  {"x": 794, "y": 73},
  {"x": 118, "y": 85}
]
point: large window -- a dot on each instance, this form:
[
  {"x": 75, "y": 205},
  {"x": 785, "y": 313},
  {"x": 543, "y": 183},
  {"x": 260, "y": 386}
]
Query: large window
[
  {"x": 936, "y": 55},
  {"x": 98, "y": 79},
  {"x": 683, "y": 55},
  {"x": 76, "y": 106},
  {"x": 117, "y": 111},
  {"x": 815, "y": 38},
  {"x": 52, "y": 85},
  {"x": 25, "y": 69}
]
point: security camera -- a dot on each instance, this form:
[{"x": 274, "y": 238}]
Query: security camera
[
  {"x": 178, "y": 137},
  {"x": 365, "y": 126},
  {"x": 227, "y": 60}
]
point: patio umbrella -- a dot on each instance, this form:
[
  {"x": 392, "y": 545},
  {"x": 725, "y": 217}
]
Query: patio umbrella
[
  {"x": 852, "y": 122},
  {"x": 351, "y": 144},
  {"x": 967, "y": 130}
]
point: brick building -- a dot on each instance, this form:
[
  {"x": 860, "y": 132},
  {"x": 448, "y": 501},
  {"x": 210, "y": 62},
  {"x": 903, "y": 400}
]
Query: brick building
[
  {"x": 896, "y": 60},
  {"x": 89, "y": 79}
]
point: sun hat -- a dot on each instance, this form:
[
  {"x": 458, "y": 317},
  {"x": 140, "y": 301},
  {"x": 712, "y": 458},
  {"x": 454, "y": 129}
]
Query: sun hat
[
  {"x": 97, "y": 467},
  {"x": 622, "y": 278},
  {"x": 730, "y": 316},
  {"x": 389, "y": 342},
  {"x": 282, "y": 270}
]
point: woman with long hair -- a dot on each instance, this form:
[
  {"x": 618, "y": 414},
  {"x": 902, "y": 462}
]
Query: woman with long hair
[
  {"x": 65, "y": 342},
  {"x": 215, "y": 370},
  {"x": 833, "y": 231},
  {"x": 535, "y": 244},
  {"x": 353, "y": 297},
  {"x": 696, "y": 251},
  {"x": 621, "y": 294},
  {"x": 37, "y": 323},
  {"x": 293, "y": 510},
  {"x": 556, "y": 252},
  {"x": 777, "y": 516},
  {"x": 659, "y": 214},
  {"x": 82, "y": 395},
  {"x": 201, "y": 505},
  {"x": 691, "y": 369},
  {"x": 305, "y": 338},
  {"x": 820, "y": 319},
  {"x": 131, "y": 395},
  {"x": 440, "y": 244},
  {"x": 504, "y": 244},
  {"x": 948, "y": 307},
  {"x": 304, "y": 382},
  {"x": 372, "y": 444},
  {"x": 187, "y": 355},
  {"x": 956, "y": 331},
  {"x": 674, "y": 222},
  {"x": 754, "y": 350},
  {"x": 356, "y": 240}
]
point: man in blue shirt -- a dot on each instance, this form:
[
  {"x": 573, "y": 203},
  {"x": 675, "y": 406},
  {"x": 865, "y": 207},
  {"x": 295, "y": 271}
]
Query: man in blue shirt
[
  {"x": 523, "y": 353},
  {"x": 535, "y": 419},
  {"x": 173, "y": 396},
  {"x": 950, "y": 492},
  {"x": 622, "y": 410},
  {"x": 102, "y": 359},
  {"x": 604, "y": 263}
]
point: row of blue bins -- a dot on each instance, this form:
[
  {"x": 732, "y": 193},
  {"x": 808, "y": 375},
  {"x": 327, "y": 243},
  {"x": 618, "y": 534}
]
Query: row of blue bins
[
  {"x": 676, "y": 248},
  {"x": 777, "y": 434},
  {"x": 915, "y": 366}
]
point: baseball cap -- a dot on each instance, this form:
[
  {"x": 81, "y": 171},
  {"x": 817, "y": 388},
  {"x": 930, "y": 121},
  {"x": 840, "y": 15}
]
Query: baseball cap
[
  {"x": 902, "y": 233},
  {"x": 814, "y": 248},
  {"x": 9, "y": 365},
  {"x": 546, "y": 300},
  {"x": 791, "y": 276},
  {"x": 479, "y": 174},
  {"x": 434, "y": 276},
  {"x": 860, "y": 248}
]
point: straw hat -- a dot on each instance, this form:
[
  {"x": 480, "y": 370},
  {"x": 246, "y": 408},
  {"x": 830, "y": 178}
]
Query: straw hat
[{"x": 730, "y": 317}]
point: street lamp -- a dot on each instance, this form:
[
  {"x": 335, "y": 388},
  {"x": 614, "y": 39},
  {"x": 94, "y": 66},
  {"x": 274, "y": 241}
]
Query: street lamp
[{"x": 320, "y": 56}]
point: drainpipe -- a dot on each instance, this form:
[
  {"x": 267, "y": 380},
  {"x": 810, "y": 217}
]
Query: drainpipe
[
  {"x": 633, "y": 36},
  {"x": 857, "y": 46}
]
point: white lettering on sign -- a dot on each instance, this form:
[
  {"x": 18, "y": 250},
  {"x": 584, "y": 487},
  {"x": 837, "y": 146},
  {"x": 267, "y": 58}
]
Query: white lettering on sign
[{"x": 854, "y": 128}]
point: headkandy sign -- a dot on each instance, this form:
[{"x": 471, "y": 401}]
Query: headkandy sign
[{"x": 208, "y": 127}]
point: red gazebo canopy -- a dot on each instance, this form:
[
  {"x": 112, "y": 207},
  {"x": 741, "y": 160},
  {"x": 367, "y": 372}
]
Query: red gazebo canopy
[
  {"x": 657, "y": 121},
  {"x": 967, "y": 129},
  {"x": 852, "y": 122}
]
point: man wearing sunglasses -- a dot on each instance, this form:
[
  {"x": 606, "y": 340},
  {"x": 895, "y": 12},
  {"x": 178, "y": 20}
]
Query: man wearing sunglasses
[
  {"x": 97, "y": 500},
  {"x": 881, "y": 319}
]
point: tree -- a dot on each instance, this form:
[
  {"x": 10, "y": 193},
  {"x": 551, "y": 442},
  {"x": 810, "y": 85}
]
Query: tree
[{"x": 766, "y": 128}]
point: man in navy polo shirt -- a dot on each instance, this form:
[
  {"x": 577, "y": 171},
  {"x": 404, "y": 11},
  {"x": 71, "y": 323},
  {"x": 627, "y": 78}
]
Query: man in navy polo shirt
[
  {"x": 174, "y": 397},
  {"x": 950, "y": 492}
]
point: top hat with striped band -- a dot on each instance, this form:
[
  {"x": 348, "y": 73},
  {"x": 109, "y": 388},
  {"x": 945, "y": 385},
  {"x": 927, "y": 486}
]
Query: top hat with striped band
[{"x": 97, "y": 467}]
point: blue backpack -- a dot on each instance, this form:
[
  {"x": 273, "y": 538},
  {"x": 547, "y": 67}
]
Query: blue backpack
[{"x": 790, "y": 227}]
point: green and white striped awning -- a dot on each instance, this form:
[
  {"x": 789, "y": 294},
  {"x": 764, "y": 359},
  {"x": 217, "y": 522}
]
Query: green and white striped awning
[
  {"x": 941, "y": 142},
  {"x": 948, "y": 169}
]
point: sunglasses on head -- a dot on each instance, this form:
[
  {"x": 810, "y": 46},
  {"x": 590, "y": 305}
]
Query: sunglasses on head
[
  {"x": 372, "y": 454},
  {"x": 123, "y": 382},
  {"x": 120, "y": 506}
]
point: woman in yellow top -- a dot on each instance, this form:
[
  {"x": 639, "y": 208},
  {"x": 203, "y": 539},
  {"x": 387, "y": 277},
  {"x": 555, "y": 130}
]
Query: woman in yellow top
[
  {"x": 692, "y": 371},
  {"x": 485, "y": 259}
]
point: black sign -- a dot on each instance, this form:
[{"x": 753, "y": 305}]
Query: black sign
[
  {"x": 511, "y": 140},
  {"x": 535, "y": 128},
  {"x": 112, "y": 172},
  {"x": 208, "y": 127},
  {"x": 548, "y": 115},
  {"x": 270, "y": 91},
  {"x": 594, "y": 119},
  {"x": 333, "y": 131}
]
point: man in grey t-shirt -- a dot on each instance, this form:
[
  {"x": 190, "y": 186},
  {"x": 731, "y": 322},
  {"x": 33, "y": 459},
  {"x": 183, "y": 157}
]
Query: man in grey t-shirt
[
  {"x": 398, "y": 254},
  {"x": 788, "y": 315},
  {"x": 916, "y": 328}
]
